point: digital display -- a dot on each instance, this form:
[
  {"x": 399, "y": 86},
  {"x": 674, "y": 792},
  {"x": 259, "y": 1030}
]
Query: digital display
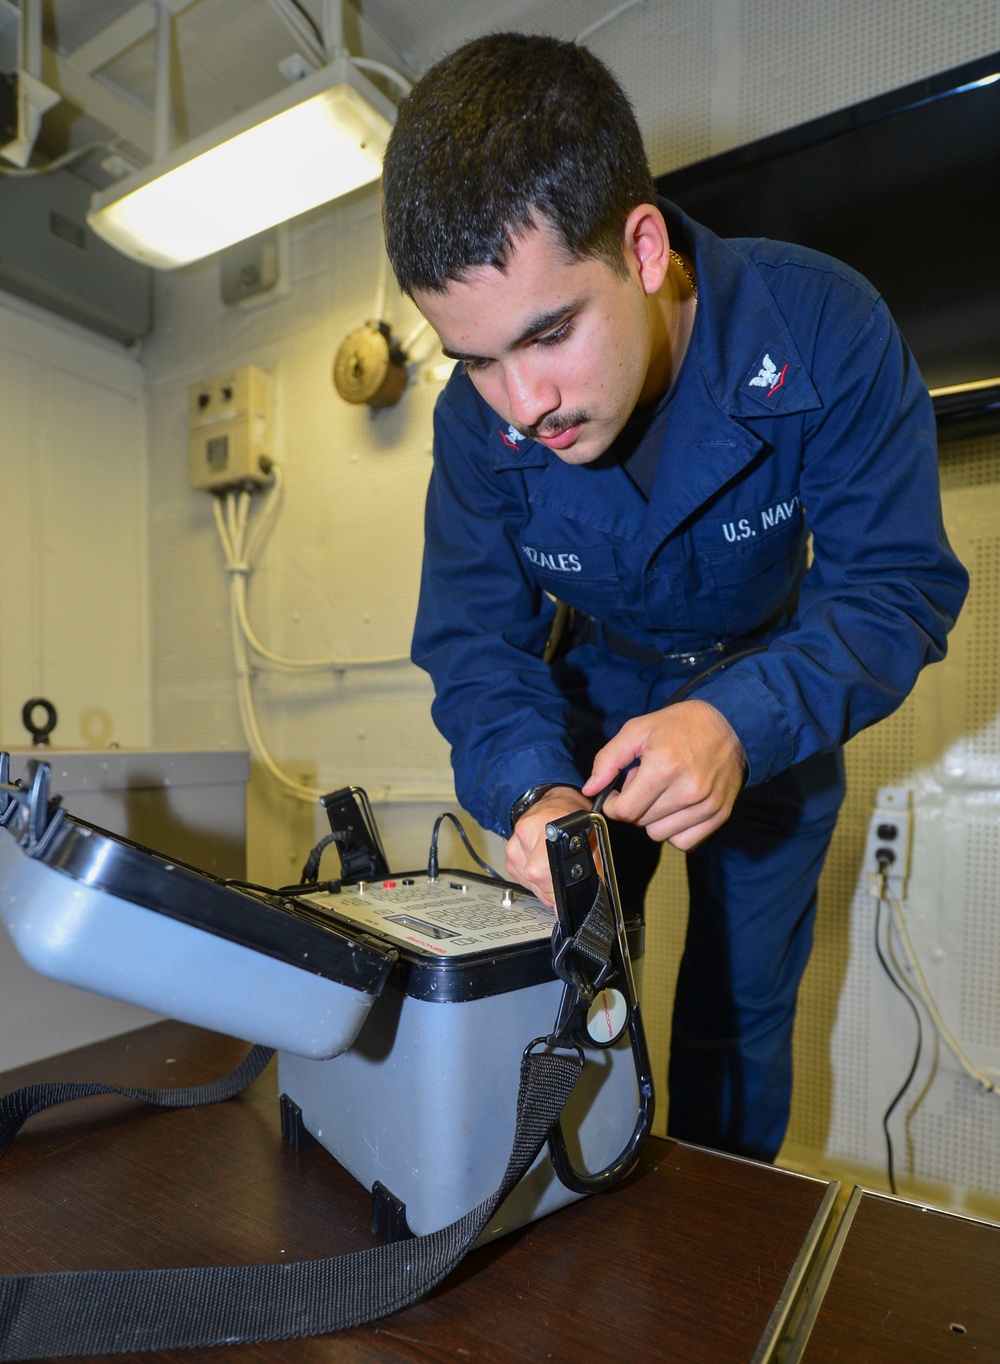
[{"x": 418, "y": 925}]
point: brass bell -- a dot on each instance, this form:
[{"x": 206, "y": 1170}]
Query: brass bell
[{"x": 370, "y": 367}]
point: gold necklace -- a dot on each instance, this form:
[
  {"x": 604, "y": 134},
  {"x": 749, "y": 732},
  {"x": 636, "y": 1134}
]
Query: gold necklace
[{"x": 685, "y": 270}]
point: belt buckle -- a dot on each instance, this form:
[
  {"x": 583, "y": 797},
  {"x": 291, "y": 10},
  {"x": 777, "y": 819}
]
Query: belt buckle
[{"x": 692, "y": 659}]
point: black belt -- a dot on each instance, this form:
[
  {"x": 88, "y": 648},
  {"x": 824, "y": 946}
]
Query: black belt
[{"x": 586, "y": 630}]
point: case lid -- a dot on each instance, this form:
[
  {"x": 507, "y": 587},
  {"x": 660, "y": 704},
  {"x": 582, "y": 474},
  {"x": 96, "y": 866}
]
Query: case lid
[
  {"x": 287, "y": 929},
  {"x": 290, "y": 930}
]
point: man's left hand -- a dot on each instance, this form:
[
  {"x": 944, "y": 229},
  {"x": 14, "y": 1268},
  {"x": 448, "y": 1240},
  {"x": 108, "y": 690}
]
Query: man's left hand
[
  {"x": 691, "y": 768},
  {"x": 527, "y": 847}
]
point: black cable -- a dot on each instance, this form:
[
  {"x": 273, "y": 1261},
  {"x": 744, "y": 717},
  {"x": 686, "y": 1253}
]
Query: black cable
[
  {"x": 725, "y": 661},
  {"x": 688, "y": 685},
  {"x": 300, "y": 888},
  {"x": 432, "y": 856},
  {"x": 614, "y": 785},
  {"x": 310, "y": 872},
  {"x": 332, "y": 887},
  {"x": 916, "y": 1055},
  {"x": 236, "y": 884},
  {"x": 307, "y": 17}
]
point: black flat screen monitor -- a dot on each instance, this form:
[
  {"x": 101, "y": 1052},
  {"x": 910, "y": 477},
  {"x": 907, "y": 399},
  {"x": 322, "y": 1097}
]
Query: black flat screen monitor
[{"x": 905, "y": 187}]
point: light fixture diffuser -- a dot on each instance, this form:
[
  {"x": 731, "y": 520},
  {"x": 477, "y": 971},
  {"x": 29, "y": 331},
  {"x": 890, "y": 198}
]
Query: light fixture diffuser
[{"x": 319, "y": 139}]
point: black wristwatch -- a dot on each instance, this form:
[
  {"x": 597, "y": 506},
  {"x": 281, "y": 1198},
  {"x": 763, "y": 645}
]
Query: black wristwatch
[{"x": 524, "y": 803}]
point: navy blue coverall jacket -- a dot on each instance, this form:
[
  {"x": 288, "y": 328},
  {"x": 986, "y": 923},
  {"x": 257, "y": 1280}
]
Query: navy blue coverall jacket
[
  {"x": 798, "y": 408},
  {"x": 798, "y": 411}
]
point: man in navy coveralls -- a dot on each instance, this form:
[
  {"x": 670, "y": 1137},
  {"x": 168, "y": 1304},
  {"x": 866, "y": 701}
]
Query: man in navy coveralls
[{"x": 648, "y": 423}]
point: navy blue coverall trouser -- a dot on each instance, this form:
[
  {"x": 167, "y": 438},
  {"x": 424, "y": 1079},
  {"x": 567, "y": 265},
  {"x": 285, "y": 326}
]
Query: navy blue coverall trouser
[{"x": 750, "y": 927}]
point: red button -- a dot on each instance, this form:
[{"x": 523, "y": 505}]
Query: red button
[{"x": 388, "y": 885}]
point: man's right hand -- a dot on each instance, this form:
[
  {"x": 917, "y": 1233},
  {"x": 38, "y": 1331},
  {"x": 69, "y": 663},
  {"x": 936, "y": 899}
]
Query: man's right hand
[{"x": 527, "y": 847}]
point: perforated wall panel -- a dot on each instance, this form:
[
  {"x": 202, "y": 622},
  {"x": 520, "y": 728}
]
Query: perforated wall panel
[
  {"x": 943, "y": 747},
  {"x": 803, "y": 60}
]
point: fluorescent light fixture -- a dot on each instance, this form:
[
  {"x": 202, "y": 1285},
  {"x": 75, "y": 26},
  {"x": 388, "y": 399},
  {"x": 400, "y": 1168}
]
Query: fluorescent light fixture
[{"x": 322, "y": 137}]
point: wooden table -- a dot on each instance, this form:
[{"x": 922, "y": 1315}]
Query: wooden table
[
  {"x": 904, "y": 1282},
  {"x": 696, "y": 1257}
]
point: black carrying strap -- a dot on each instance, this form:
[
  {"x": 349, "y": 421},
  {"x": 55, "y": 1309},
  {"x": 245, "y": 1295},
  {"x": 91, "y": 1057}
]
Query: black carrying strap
[
  {"x": 21, "y": 1104},
  {"x": 115, "y": 1311},
  {"x": 592, "y": 941}
]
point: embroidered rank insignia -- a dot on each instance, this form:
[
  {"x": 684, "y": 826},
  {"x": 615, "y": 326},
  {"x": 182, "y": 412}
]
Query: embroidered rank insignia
[
  {"x": 770, "y": 375},
  {"x": 511, "y": 438}
]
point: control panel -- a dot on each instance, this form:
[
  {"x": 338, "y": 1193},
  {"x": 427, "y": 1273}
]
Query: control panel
[{"x": 455, "y": 915}]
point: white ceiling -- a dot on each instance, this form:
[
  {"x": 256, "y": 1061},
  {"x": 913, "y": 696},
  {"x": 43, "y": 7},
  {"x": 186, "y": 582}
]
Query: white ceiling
[{"x": 100, "y": 55}]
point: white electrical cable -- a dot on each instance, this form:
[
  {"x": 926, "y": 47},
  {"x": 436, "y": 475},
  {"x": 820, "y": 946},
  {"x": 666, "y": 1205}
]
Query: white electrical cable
[
  {"x": 381, "y": 283},
  {"x": 380, "y": 69},
  {"x": 240, "y": 547},
  {"x": 415, "y": 336},
  {"x": 66, "y": 159},
  {"x": 585, "y": 33},
  {"x": 332, "y": 43},
  {"x": 922, "y": 990},
  {"x": 298, "y": 665},
  {"x": 333, "y": 37},
  {"x": 248, "y": 717},
  {"x": 240, "y": 562}
]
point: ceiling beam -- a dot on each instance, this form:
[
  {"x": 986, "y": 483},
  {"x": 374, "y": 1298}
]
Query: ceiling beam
[
  {"x": 124, "y": 32},
  {"x": 117, "y": 113},
  {"x": 73, "y": 74},
  {"x": 76, "y": 74}
]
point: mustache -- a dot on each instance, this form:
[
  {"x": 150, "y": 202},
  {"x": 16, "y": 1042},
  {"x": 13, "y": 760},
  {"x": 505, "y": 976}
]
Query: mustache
[{"x": 553, "y": 425}]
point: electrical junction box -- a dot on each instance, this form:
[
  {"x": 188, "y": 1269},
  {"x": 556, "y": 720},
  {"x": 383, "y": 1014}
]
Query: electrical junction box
[{"x": 229, "y": 425}]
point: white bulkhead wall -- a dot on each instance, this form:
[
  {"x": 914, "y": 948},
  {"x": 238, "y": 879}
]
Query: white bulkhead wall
[
  {"x": 74, "y": 617},
  {"x": 339, "y": 574}
]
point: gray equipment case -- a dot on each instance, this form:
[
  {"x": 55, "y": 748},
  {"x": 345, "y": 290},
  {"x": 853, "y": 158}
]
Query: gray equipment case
[{"x": 400, "y": 1006}]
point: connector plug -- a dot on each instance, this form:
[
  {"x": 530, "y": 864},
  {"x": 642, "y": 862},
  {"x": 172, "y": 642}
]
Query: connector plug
[{"x": 887, "y": 849}]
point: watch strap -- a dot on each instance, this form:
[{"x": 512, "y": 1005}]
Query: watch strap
[{"x": 524, "y": 802}]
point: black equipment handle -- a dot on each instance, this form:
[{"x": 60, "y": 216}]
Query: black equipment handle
[
  {"x": 353, "y": 828},
  {"x": 589, "y": 952}
]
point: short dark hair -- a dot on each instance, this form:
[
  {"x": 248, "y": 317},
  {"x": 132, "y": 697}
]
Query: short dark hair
[{"x": 509, "y": 129}]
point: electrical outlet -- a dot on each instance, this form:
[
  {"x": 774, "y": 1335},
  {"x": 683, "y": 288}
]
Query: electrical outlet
[
  {"x": 887, "y": 849},
  {"x": 229, "y": 426}
]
